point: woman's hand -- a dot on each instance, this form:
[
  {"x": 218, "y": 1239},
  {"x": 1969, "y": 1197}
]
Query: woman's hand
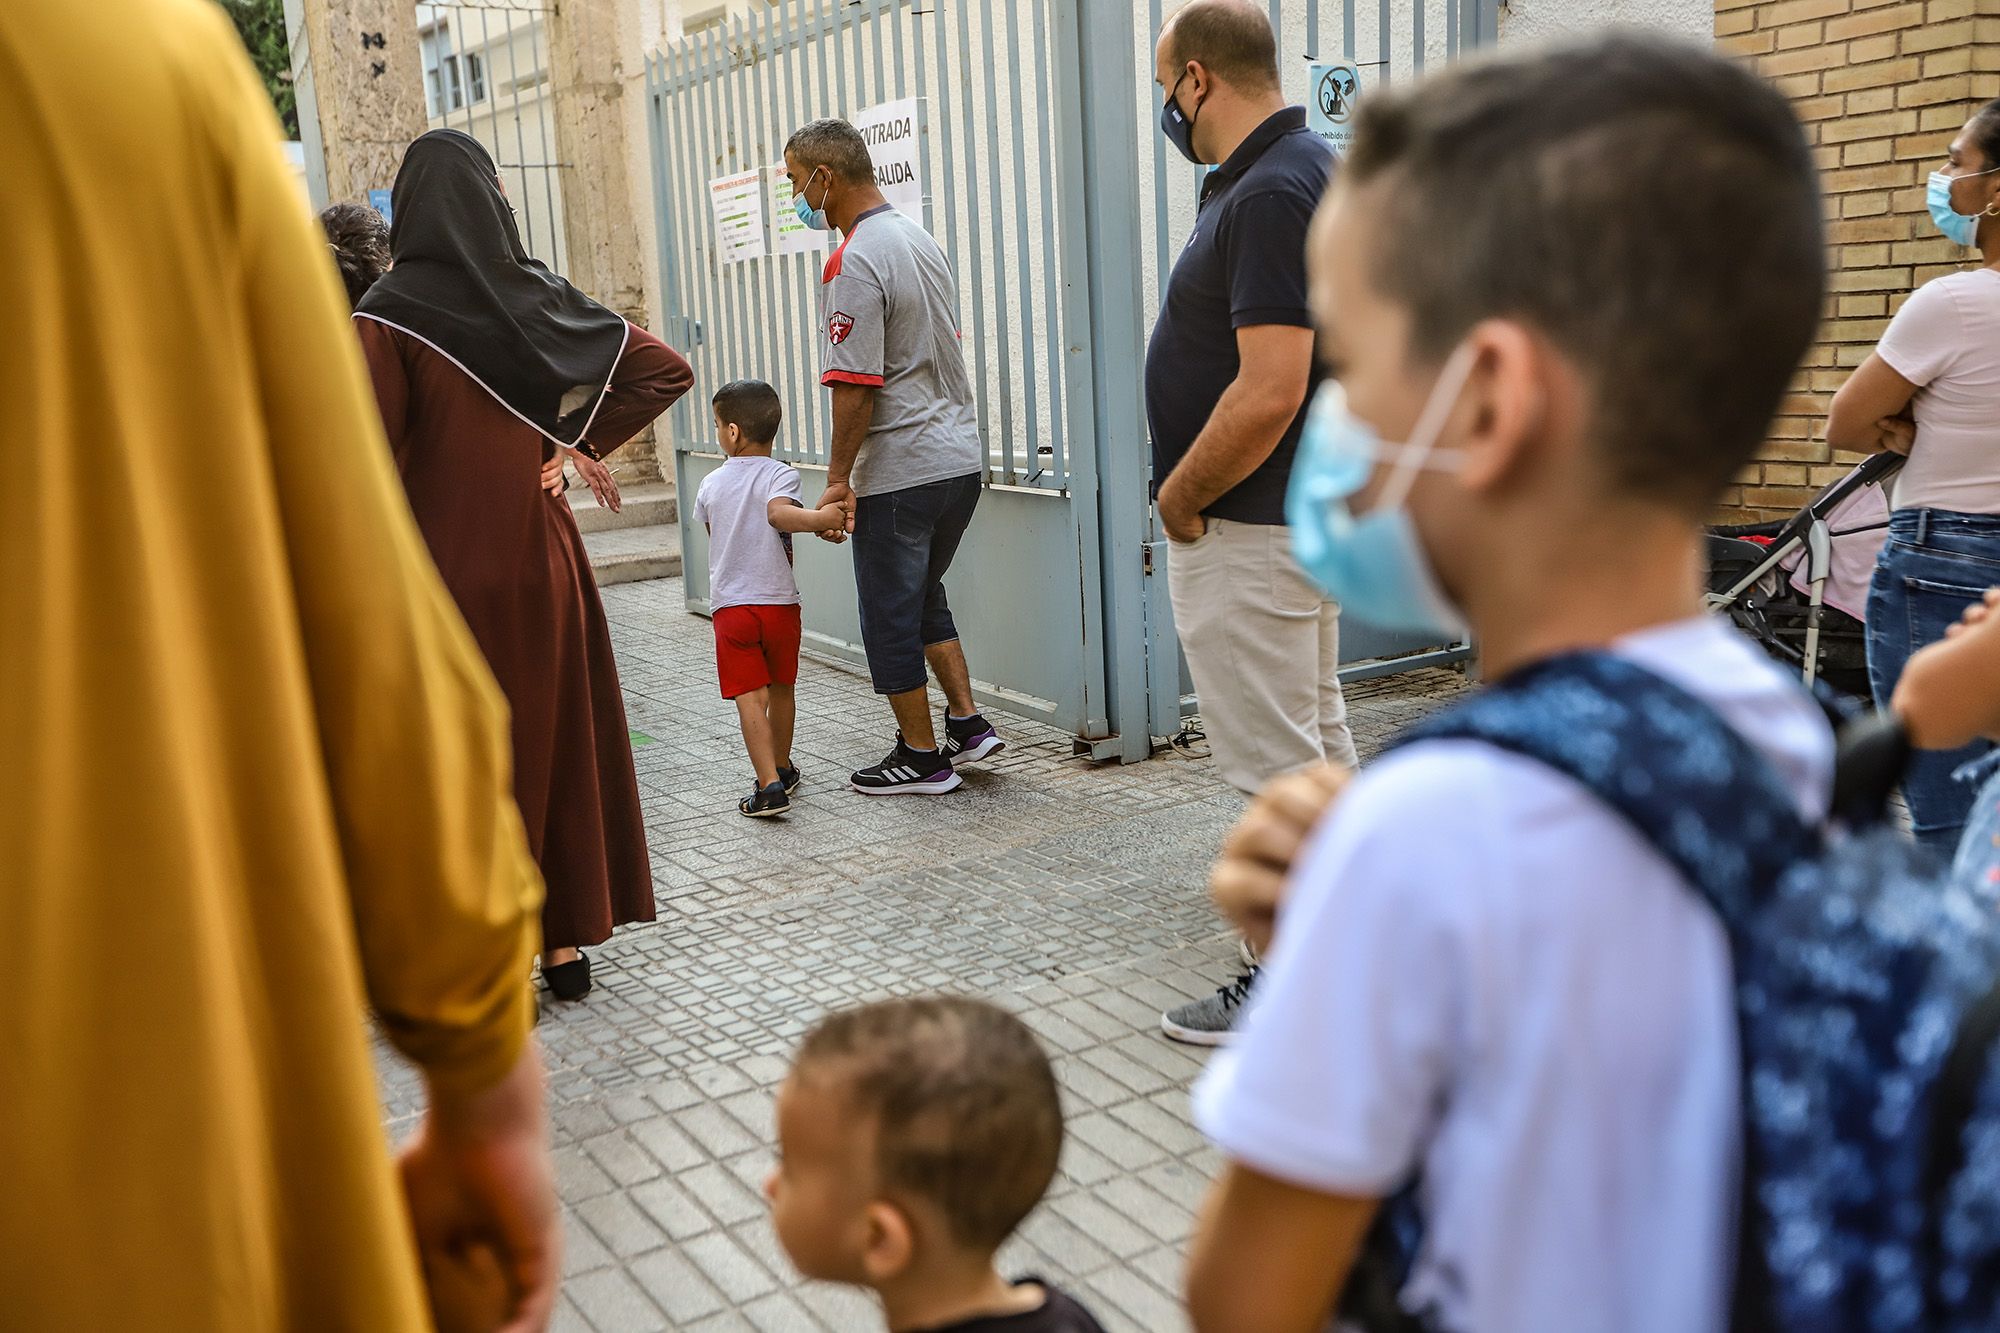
[
  {"x": 552, "y": 475},
  {"x": 1895, "y": 435},
  {"x": 598, "y": 477}
]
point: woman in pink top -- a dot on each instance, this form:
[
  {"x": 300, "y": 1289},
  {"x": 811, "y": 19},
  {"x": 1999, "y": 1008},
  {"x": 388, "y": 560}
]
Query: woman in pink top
[{"x": 1931, "y": 389}]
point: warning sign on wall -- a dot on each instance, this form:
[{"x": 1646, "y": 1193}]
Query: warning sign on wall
[{"x": 1336, "y": 91}]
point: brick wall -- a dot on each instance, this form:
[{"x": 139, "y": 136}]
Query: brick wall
[{"x": 1882, "y": 86}]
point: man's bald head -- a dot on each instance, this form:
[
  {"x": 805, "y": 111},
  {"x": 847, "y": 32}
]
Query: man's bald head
[{"x": 1232, "y": 39}]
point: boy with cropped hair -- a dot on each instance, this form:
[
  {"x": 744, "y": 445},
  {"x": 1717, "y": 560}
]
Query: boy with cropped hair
[
  {"x": 1484, "y": 982},
  {"x": 751, "y": 506},
  {"x": 914, "y": 1136}
]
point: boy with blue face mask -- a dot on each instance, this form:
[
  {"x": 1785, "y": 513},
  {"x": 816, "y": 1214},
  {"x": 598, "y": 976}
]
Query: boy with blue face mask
[{"x": 1481, "y": 978}]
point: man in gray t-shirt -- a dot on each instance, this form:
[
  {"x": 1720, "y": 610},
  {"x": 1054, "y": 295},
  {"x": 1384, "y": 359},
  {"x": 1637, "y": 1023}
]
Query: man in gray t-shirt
[{"x": 906, "y": 453}]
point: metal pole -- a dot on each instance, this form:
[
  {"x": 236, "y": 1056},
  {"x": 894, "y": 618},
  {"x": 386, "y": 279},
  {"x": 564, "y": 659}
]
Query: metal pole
[{"x": 1106, "y": 83}]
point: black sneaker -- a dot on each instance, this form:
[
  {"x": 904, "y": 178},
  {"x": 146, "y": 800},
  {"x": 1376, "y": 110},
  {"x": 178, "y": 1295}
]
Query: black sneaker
[
  {"x": 766, "y": 801},
  {"x": 1210, "y": 1021},
  {"x": 970, "y": 740},
  {"x": 907, "y": 772},
  {"x": 788, "y": 778}
]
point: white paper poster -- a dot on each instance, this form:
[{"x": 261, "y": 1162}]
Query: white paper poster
[
  {"x": 895, "y": 143},
  {"x": 789, "y": 236},
  {"x": 739, "y": 215}
]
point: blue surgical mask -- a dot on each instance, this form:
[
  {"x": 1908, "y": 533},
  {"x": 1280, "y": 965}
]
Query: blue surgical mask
[
  {"x": 814, "y": 218},
  {"x": 1373, "y": 564},
  {"x": 1959, "y": 228},
  {"x": 1179, "y": 128}
]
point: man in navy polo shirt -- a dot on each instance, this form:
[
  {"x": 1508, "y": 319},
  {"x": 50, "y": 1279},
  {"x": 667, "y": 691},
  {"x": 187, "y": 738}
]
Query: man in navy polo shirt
[{"x": 1228, "y": 375}]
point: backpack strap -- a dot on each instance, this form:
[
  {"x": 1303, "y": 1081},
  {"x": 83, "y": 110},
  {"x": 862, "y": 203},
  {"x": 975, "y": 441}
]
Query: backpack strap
[
  {"x": 1666, "y": 762},
  {"x": 1689, "y": 783}
]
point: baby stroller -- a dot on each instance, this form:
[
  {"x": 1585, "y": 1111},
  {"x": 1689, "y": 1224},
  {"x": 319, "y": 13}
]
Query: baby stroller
[{"x": 1799, "y": 587}]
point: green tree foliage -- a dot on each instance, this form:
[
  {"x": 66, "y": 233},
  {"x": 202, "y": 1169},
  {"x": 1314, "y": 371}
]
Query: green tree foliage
[{"x": 261, "y": 23}]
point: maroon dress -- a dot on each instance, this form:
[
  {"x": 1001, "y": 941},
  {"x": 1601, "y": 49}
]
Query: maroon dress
[{"x": 512, "y": 556}]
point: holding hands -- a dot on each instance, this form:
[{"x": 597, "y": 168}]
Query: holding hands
[{"x": 841, "y": 494}]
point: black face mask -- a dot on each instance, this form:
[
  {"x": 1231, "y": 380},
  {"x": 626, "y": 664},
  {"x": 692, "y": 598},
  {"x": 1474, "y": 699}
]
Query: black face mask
[{"x": 1179, "y": 128}]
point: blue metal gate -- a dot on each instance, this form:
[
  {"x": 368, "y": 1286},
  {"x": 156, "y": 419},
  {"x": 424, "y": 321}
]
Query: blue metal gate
[{"x": 1036, "y": 153}]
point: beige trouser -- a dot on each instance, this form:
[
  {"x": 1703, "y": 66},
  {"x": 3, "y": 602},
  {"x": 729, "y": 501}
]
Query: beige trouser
[{"x": 1263, "y": 644}]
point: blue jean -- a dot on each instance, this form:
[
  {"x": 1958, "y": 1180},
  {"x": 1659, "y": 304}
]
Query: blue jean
[
  {"x": 1934, "y": 565},
  {"x": 903, "y": 544}
]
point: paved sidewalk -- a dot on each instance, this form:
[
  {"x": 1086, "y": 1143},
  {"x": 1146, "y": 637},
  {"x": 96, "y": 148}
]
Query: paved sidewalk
[{"x": 1072, "y": 893}]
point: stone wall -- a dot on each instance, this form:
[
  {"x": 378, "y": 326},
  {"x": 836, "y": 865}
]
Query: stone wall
[{"x": 1882, "y": 87}]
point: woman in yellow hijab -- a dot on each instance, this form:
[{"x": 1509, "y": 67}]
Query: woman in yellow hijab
[{"x": 253, "y": 773}]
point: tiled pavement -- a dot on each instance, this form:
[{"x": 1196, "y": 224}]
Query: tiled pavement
[{"x": 1072, "y": 893}]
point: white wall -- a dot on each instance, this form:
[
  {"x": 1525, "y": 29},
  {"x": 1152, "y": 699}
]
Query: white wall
[{"x": 1526, "y": 20}]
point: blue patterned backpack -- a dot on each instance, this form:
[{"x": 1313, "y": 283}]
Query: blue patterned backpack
[{"x": 1866, "y": 1000}]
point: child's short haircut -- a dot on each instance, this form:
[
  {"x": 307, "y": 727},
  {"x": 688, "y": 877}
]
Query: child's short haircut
[
  {"x": 964, "y": 1102},
  {"x": 752, "y": 407},
  {"x": 1650, "y": 207}
]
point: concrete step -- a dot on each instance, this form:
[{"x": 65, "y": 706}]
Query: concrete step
[
  {"x": 644, "y": 507},
  {"x": 629, "y": 555}
]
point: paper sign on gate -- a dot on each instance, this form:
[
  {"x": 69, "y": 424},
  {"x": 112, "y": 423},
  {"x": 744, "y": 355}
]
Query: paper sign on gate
[
  {"x": 739, "y": 215},
  {"x": 789, "y": 236},
  {"x": 895, "y": 144},
  {"x": 1336, "y": 92}
]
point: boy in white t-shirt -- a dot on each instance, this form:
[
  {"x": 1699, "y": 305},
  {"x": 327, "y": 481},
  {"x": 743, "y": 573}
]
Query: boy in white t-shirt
[
  {"x": 1482, "y": 981},
  {"x": 751, "y": 506}
]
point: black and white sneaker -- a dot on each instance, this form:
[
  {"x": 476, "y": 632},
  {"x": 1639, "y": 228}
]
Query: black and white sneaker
[
  {"x": 1210, "y": 1021},
  {"x": 971, "y": 739},
  {"x": 766, "y": 801},
  {"x": 907, "y": 772}
]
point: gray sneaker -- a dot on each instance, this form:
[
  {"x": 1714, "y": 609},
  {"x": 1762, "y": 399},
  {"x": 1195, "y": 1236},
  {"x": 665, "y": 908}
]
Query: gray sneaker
[{"x": 1210, "y": 1022}]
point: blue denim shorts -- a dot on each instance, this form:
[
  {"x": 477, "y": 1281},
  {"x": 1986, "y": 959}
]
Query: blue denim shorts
[{"x": 903, "y": 544}]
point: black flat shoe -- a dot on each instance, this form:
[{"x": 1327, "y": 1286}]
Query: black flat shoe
[{"x": 569, "y": 981}]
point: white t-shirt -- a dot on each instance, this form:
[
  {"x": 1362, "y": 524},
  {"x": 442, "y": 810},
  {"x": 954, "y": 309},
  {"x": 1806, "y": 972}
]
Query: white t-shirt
[
  {"x": 749, "y": 561},
  {"x": 1946, "y": 341},
  {"x": 1483, "y": 974}
]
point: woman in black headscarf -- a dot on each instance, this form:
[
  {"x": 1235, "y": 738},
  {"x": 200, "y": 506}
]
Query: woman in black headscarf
[{"x": 490, "y": 371}]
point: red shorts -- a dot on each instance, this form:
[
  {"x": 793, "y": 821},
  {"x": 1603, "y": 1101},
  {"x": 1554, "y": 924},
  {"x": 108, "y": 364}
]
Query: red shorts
[{"x": 756, "y": 646}]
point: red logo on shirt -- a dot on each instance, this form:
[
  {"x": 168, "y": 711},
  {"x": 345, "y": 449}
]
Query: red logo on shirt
[{"x": 839, "y": 326}]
